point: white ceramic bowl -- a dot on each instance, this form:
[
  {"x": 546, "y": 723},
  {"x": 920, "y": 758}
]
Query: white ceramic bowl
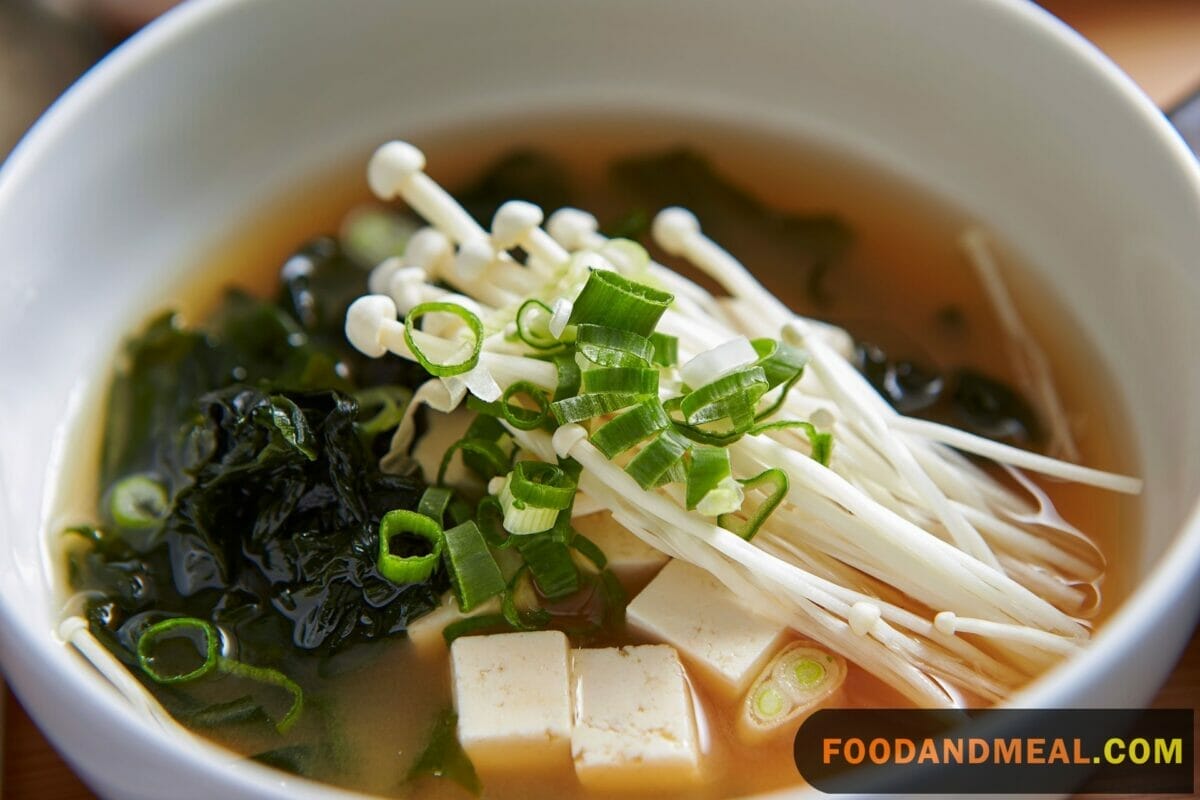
[{"x": 219, "y": 106}]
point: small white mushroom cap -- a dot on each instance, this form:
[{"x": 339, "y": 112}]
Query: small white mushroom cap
[
  {"x": 428, "y": 248},
  {"x": 381, "y": 277},
  {"x": 513, "y": 222},
  {"x": 674, "y": 228},
  {"x": 946, "y": 622},
  {"x": 390, "y": 166},
  {"x": 365, "y": 322},
  {"x": 572, "y": 228},
  {"x": 863, "y": 616}
]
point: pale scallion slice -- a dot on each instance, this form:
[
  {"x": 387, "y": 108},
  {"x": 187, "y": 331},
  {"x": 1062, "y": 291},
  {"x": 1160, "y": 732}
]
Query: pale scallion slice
[
  {"x": 611, "y": 299},
  {"x": 536, "y": 483},
  {"x": 533, "y": 325},
  {"x": 795, "y": 683},
  {"x": 434, "y": 501},
  {"x": 404, "y": 569},
  {"x": 708, "y": 468},
  {"x": 447, "y": 369},
  {"x": 138, "y": 502}
]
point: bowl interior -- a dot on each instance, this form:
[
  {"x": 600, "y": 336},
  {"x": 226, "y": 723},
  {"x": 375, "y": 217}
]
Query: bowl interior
[{"x": 223, "y": 106}]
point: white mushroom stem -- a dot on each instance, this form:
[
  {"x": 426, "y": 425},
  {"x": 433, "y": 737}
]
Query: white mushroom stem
[
  {"x": 1033, "y": 368},
  {"x": 397, "y": 170},
  {"x": 516, "y": 224},
  {"x": 950, "y": 624},
  {"x": 678, "y": 232}
]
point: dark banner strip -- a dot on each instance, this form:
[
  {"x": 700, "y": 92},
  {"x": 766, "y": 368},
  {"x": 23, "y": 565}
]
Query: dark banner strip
[{"x": 998, "y": 751}]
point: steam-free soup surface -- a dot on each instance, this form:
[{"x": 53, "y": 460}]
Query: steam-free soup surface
[{"x": 893, "y": 275}]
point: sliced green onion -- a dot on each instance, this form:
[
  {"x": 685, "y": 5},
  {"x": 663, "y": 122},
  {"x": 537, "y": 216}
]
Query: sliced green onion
[
  {"x": 773, "y": 477},
  {"x": 489, "y": 459},
  {"x": 725, "y": 397},
  {"x": 589, "y": 550},
  {"x": 271, "y": 677},
  {"x": 550, "y": 563},
  {"x": 433, "y": 503},
  {"x": 473, "y": 571},
  {"x": 408, "y": 569},
  {"x": 533, "y": 325},
  {"x": 568, "y": 377},
  {"x": 659, "y": 462},
  {"x": 710, "y": 466},
  {"x": 444, "y": 370},
  {"x": 138, "y": 502},
  {"x": 780, "y": 361},
  {"x": 586, "y": 406},
  {"x": 611, "y": 299},
  {"x": 542, "y": 485},
  {"x": 176, "y": 628},
  {"x": 666, "y": 349},
  {"x": 636, "y": 380},
  {"x": 522, "y": 519},
  {"x": 623, "y": 432},
  {"x": 613, "y": 347},
  {"x": 489, "y": 516},
  {"x": 390, "y": 402},
  {"x": 532, "y": 617},
  {"x": 821, "y": 443},
  {"x": 525, "y": 419}
]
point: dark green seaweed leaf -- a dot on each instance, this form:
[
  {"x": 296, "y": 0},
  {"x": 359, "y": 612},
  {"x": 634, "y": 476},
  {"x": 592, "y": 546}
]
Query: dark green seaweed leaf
[{"x": 444, "y": 757}]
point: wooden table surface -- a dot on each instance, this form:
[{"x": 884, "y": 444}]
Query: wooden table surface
[{"x": 1156, "y": 41}]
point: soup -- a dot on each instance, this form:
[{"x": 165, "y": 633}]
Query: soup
[{"x": 287, "y": 643}]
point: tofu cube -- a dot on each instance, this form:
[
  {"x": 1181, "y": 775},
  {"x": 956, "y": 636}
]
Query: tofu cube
[
  {"x": 426, "y": 632},
  {"x": 724, "y": 642},
  {"x": 512, "y": 692},
  {"x": 633, "y": 561},
  {"x": 635, "y": 725}
]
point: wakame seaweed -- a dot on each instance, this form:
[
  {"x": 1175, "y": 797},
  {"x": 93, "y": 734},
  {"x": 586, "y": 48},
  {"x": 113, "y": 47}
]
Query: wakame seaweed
[{"x": 252, "y": 428}]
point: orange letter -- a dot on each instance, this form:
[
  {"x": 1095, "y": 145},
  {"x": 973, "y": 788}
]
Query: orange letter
[
  {"x": 1058, "y": 753},
  {"x": 1008, "y": 751},
  {"x": 905, "y": 750},
  {"x": 830, "y": 750},
  {"x": 855, "y": 750},
  {"x": 1034, "y": 751},
  {"x": 979, "y": 751}
]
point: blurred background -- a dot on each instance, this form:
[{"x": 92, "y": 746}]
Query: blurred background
[{"x": 46, "y": 45}]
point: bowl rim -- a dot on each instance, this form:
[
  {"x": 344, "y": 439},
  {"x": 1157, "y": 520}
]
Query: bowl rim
[{"x": 1166, "y": 580}]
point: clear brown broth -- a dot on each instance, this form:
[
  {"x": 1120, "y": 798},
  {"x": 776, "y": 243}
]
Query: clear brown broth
[{"x": 905, "y": 267}]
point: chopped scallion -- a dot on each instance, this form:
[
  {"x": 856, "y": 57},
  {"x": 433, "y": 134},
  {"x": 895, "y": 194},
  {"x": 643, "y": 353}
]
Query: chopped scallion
[
  {"x": 635, "y": 425},
  {"x": 473, "y": 571},
  {"x": 408, "y": 569},
  {"x": 454, "y": 368},
  {"x": 611, "y": 299}
]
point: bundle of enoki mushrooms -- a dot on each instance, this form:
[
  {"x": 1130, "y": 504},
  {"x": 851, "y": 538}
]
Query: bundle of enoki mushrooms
[{"x": 736, "y": 435}]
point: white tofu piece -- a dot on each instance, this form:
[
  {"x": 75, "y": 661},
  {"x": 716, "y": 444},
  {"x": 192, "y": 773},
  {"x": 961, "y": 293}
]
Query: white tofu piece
[
  {"x": 633, "y": 561},
  {"x": 512, "y": 692},
  {"x": 426, "y": 632},
  {"x": 635, "y": 724},
  {"x": 722, "y": 640}
]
